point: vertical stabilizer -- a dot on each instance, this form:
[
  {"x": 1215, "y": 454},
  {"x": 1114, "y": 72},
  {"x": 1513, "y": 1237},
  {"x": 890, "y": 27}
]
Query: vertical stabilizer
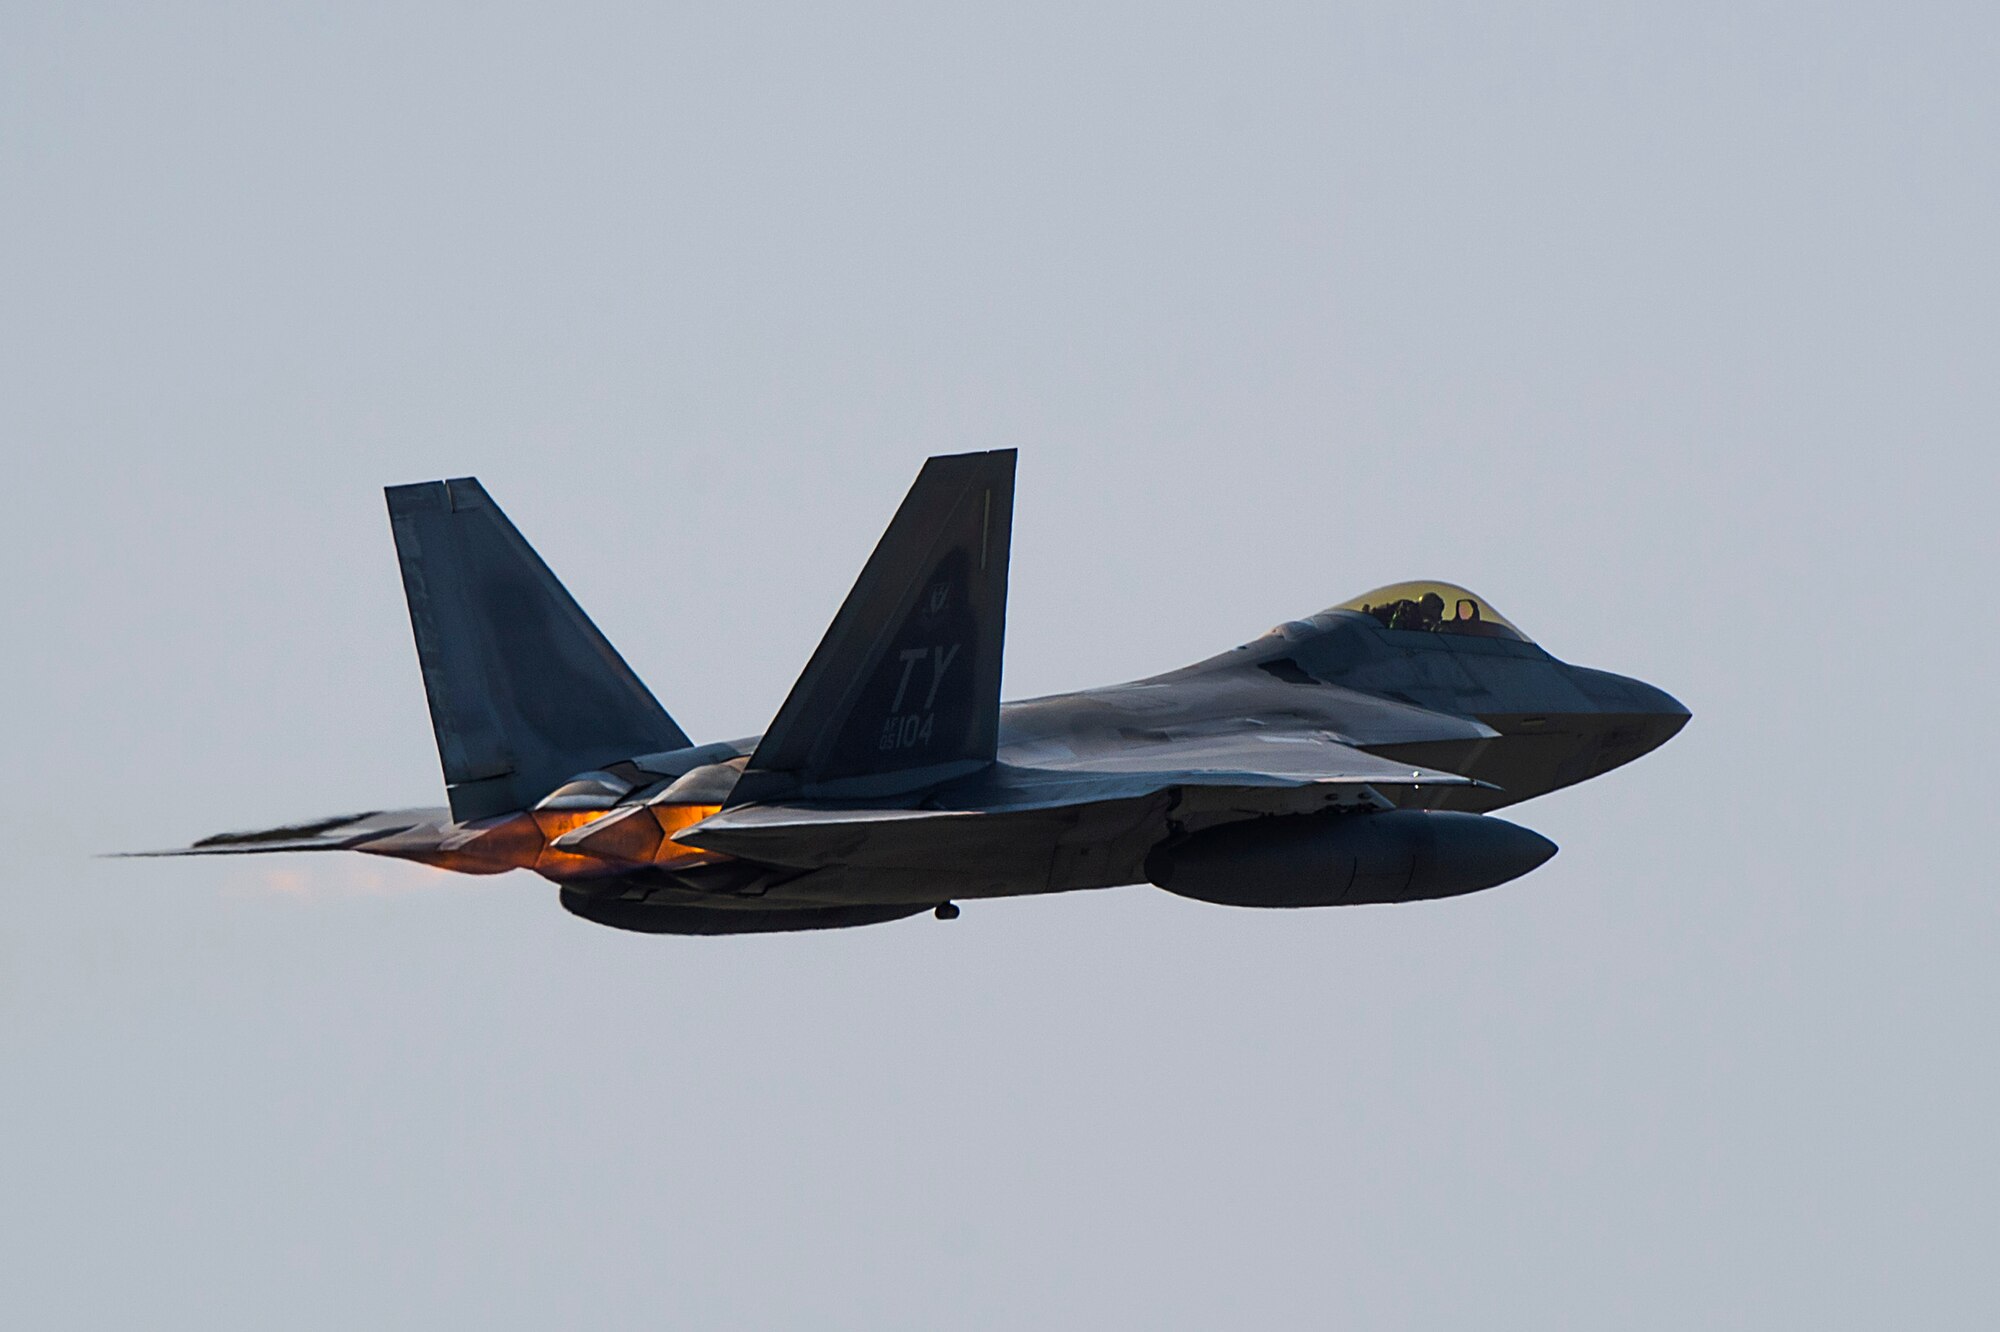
[
  {"x": 524, "y": 690},
  {"x": 904, "y": 690}
]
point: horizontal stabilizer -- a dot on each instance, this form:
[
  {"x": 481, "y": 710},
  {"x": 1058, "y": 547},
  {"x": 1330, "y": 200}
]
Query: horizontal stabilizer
[
  {"x": 524, "y": 691},
  {"x": 341, "y": 832},
  {"x": 904, "y": 690}
]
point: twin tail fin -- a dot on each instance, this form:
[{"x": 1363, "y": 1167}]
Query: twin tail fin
[
  {"x": 904, "y": 690},
  {"x": 524, "y": 691}
]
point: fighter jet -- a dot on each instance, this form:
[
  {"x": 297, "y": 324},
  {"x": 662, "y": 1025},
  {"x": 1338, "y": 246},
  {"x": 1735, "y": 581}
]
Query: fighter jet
[{"x": 1351, "y": 757}]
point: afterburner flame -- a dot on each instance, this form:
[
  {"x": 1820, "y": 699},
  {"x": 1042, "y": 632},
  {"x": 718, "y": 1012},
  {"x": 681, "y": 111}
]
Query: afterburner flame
[{"x": 558, "y": 844}]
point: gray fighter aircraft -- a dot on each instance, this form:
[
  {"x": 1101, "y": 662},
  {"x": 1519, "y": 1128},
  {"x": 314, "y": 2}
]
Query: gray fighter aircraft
[{"x": 1347, "y": 758}]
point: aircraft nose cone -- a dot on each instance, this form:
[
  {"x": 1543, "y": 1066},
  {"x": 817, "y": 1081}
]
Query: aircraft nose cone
[
  {"x": 1658, "y": 715},
  {"x": 1665, "y": 713},
  {"x": 1659, "y": 702}
]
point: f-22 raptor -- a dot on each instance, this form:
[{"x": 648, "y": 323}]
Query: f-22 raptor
[{"x": 1350, "y": 757}]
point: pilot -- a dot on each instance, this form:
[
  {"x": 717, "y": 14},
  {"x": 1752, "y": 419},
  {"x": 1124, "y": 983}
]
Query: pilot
[
  {"x": 1469, "y": 620},
  {"x": 1421, "y": 615}
]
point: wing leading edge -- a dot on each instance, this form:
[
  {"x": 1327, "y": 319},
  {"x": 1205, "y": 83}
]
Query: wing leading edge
[{"x": 1322, "y": 770}]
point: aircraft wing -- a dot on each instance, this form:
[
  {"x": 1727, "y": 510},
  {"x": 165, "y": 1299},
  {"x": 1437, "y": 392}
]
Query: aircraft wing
[
  {"x": 1238, "y": 757},
  {"x": 968, "y": 814},
  {"x": 341, "y": 832}
]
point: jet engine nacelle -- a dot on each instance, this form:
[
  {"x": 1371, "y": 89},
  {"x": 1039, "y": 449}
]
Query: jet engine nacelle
[{"x": 1347, "y": 859}]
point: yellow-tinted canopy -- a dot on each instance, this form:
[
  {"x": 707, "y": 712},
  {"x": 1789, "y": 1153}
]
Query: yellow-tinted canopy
[{"x": 1438, "y": 608}]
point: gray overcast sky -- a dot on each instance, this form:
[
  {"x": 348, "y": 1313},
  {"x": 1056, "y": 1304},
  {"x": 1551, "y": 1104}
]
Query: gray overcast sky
[{"x": 1670, "y": 329}]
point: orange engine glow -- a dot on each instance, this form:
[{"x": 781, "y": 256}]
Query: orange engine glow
[
  {"x": 593, "y": 842},
  {"x": 673, "y": 818}
]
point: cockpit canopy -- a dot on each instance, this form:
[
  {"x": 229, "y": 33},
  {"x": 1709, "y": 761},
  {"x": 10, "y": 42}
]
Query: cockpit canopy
[{"x": 1437, "y": 608}]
